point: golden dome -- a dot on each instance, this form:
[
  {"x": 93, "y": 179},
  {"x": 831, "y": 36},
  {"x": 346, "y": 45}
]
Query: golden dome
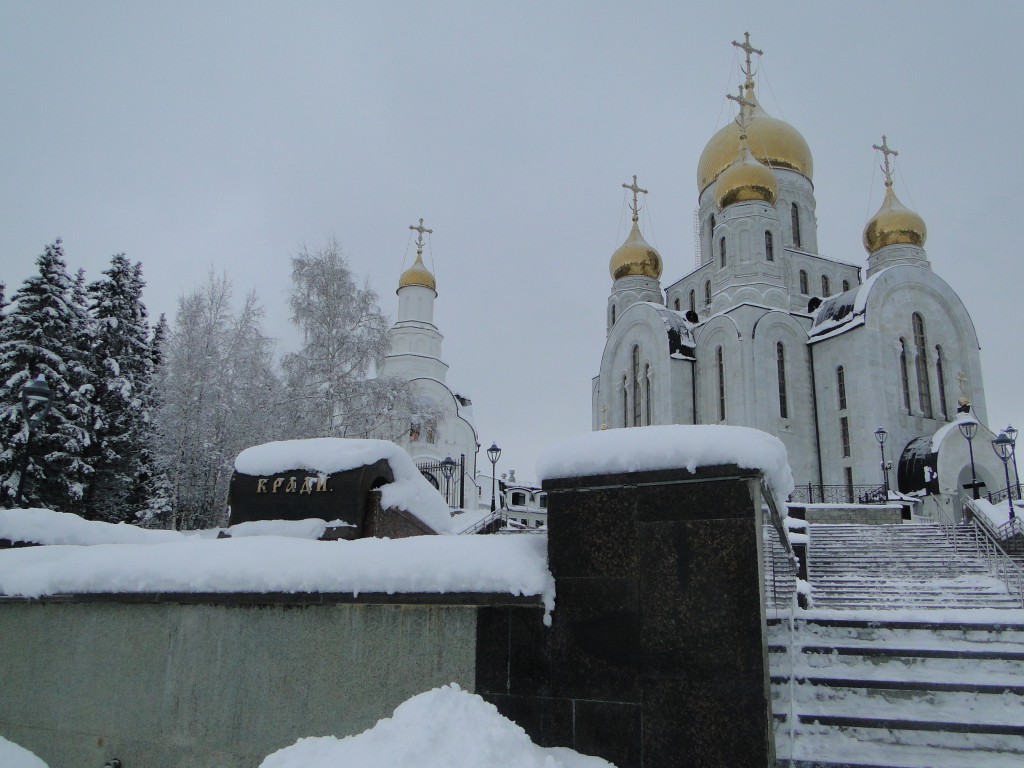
[
  {"x": 635, "y": 258},
  {"x": 746, "y": 179},
  {"x": 894, "y": 224},
  {"x": 773, "y": 142},
  {"x": 417, "y": 274}
]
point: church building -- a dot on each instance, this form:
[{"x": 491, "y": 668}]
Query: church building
[
  {"x": 769, "y": 332},
  {"x": 448, "y": 432}
]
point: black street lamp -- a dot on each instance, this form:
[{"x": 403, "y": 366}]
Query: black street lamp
[
  {"x": 968, "y": 430},
  {"x": 448, "y": 469},
  {"x": 36, "y": 393},
  {"x": 1003, "y": 447},
  {"x": 493, "y": 454},
  {"x": 880, "y": 436},
  {"x": 1012, "y": 434}
]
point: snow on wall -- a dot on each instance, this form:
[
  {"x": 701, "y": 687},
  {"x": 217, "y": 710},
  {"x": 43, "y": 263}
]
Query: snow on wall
[
  {"x": 443, "y": 728},
  {"x": 641, "y": 449},
  {"x": 326, "y": 455}
]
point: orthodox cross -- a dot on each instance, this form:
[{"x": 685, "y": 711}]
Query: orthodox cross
[
  {"x": 884, "y": 149},
  {"x": 419, "y": 240},
  {"x": 748, "y": 49},
  {"x": 745, "y": 104},
  {"x": 636, "y": 191},
  {"x": 604, "y": 417},
  {"x": 962, "y": 378}
]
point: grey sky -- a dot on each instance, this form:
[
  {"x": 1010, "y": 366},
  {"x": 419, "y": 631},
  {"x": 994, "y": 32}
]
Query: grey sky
[{"x": 222, "y": 135}]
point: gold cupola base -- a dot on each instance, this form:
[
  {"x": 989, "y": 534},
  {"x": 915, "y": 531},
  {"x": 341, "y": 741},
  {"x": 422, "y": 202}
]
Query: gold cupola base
[
  {"x": 635, "y": 258},
  {"x": 894, "y": 224}
]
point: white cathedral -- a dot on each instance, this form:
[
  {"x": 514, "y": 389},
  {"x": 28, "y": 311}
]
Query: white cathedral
[
  {"x": 768, "y": 332},
  {"x": 415, "y": 356}
]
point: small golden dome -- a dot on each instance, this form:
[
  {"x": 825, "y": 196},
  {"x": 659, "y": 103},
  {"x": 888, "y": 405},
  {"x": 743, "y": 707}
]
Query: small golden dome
[
  {"x": 773, "y": 142},
  {"x": 635, "y": 258},
  {"x": 417, "y": 274},
  {"x": 894, "y": 224},
  {"x": 746, "y": 179}
]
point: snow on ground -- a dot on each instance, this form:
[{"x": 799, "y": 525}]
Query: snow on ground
[
  {"x": 13, "y": 756},
  {"x": 998, "y": 514},
  {"x": 443, "y": 728},
  {"x": 258, "y": 564},
  {"x": 326, "y": 455},
  {"x": 642, "y": 449}
]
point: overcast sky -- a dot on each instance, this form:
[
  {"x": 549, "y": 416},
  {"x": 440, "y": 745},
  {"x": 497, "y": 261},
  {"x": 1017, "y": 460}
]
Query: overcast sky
[{"x": 221, "y": 135}]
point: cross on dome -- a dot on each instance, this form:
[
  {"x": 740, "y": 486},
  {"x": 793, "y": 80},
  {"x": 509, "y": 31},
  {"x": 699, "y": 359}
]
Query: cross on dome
[
  {"x": 747, "y": 48},
  {"x": 886, "y": 152},
  {"x": 635, "y": 207},
  {"x": 419, "y": 239},
  {"x": 745, "y": 104}
]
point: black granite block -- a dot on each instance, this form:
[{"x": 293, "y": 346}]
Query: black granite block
[
  {"x": 711, "y": 500},
  {"x": 529, "y": 655},
  {"x": 595, "y": 640},
  {"x": 707, "y": 724},
  {"x": 700, "y": 599},
  {"x": 547, "y": 721},
  {"x": 593, "y": 534},
  {"x": 492, "y": 650},
  {"x": 661, "y": 477},
  {"x": 610, "y": 730}
]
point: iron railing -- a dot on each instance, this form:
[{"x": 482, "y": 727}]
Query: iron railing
[
  {"x": 812, "y": 493},
  {"x": 485, "y": 522},
  {"x": 453, "y": 489},
  {"x": 981, "y": 540}
]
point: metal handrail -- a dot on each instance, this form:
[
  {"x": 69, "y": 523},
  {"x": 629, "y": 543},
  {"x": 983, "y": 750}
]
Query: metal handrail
[
  {"x": 816, "y": 493},
  {"x": 481, "y": 524},
  {"x": 988, "y": 548}
]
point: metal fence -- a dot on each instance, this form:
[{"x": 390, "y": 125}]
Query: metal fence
[
  {"x": 453, "y": 489},
  {"x": 838, "y": 494}
]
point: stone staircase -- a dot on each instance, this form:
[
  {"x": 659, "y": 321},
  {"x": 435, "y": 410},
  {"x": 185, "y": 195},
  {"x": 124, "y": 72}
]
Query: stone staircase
[{"x": 912, "y": 657}]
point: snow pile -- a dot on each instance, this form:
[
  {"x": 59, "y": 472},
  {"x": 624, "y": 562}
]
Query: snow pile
[
  {"x": 998, "y": 514},
  {"x": 310, "y": 528},
  {"x": 443, "y": 728},
  {"x": 326, "y": 455},
  {"x": 13, "y": 756},
  {"x": 642, "y": 449},
  {"x": 258, "y": 564}
]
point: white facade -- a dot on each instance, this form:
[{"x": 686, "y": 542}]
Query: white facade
[{"x": 889, "y": 344}]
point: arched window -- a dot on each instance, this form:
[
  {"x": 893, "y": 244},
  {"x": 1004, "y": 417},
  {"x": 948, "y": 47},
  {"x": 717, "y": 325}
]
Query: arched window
[
  {"x": 846, "y": 285},
  {"x": 769, "y": 246},
  {"x": 721, "y": 249},
  {"x": 794, "y": 217},
  {"x": 712, "y": 225},
  {"x": 841, "y": 387},
  {"x": 676, "y": 304},
  {"x": 924, "y": 389},
  {"x": 804, "y": 288},
  {"x": 844, "y": 434},
  {"x": 647, "y": 394},
  {"x": 613, "y": 315},
  {"x": 720, "y": 363},
  {"x": 636, "y": 385},
  {"x": 625, "y": 402},
  {"x": 693, "y": 301},
  {"x": 707, "y": 293},
  {"x": 941, "y": 378},
  {"x": 904, "y": 378},
  {"x": 826, "y": 287},
  {"x": 780, "y": 362}
]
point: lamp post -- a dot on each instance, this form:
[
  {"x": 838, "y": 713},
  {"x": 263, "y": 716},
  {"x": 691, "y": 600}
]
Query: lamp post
[
  {"x": 1012, "y": 434},
  {"x": 36, "y": 393},
  {"x": 968, "y": 430},
  {"x": 1003, "y": 447},
  {"x": 880, "y": 436},
  {"x": 493, "y": 454},
  {"x": 448, "y": 469}
]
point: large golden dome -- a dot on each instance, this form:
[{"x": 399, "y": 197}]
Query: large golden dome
[
  {"x": 746, "y": 179},
  {"x": 894, "y": 224},
  {"x": 775, "y": 143},
  {"x": 417, "y": 274},
  {"x": 635, "y": 258}
]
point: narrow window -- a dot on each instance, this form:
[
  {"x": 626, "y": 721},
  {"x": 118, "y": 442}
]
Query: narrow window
[
  {"x": 844, "y": 434},
  {"x": 625, "y": 402},
  {"x": 904, "y": 378},
  {"x": 924, "y": 389},
  {"x": 804, "y": 289},
  {"x": 848, "y": 476},
  {"x": 707, "y": 293},
  {"x": 636, "y": 386},
  {"x": 693, "y": 301},
  {"x": 613, "y": 314},
  {"x": 720, "y": 361},
  {"x": 941, "y": 378},
  {"x": 721, "y": 249},
  {"x": 712, "y": 225},
  {"x": 846, "y": 285},
  {"x": 794, "y": 217},
  {"x": 647, "y": 394},
  {"x": 676, "y": 304},
  {"x": 780, "y": 361},
  {"x": 841, "y": 387},
  {"x": 769, "y": 246},
  {"x": 826, "y": 287}
]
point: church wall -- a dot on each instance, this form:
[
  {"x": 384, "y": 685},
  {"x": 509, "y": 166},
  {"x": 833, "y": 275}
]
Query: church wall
[{"x": 635, "y": 327}]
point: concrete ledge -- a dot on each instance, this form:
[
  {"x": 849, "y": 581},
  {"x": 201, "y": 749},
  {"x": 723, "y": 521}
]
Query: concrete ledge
[{"x": 448, "y": 599}]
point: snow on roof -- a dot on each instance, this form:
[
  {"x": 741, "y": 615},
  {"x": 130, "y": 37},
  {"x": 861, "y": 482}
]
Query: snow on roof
[
  {"x": 941, "y": 432},
  {"x": 410, "y": 491},
  {"x": 678, "y": 328},
  {"x": 13, "y": 756},
  {"x": 640, "y": 449},
  {"x": 835, "y": 311},
  {"x": 262, "y": 564},
  {"x": 443, "y": 728}
]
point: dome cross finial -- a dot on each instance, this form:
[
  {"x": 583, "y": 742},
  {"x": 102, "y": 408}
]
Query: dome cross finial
[
  {"x": 886, "y": 152},
  {"x": 635, "y": 207},
  {"x": 747, "y": 48},
  {"x": 419, "y": 239},
  {"x": 745, "y": 104}
]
